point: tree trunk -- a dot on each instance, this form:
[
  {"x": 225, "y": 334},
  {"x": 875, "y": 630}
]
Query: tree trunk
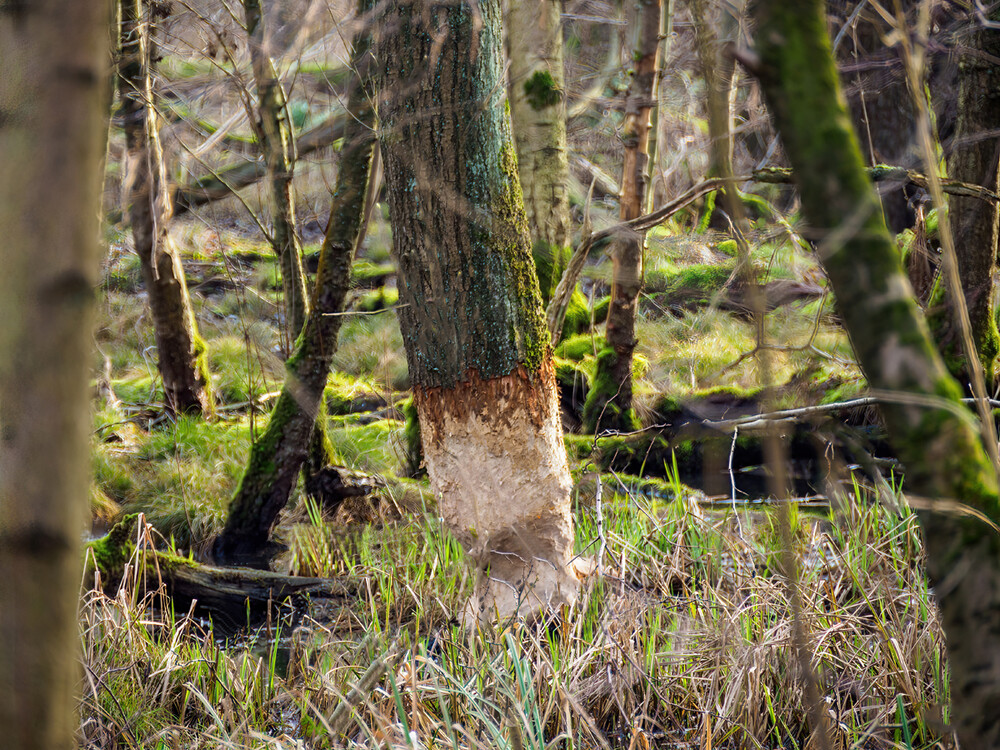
[
  {"x": 933, "y": 435},
  {"x": 230, "y": 594},
  {"x": 538, "y": 113},
  {"x": 53, "y": 132},
  {"x": 278, "y": 455},
  {"x": 973, "y": 158},
  {"x": 879, "y": 101},
  {"x": 719, "y": 71},
  {"x": 470, "y": 312},
  {"x": 181, "y": 352},
  {"x": 609, "y": 404},
  {"x": 274, "y": 133}
]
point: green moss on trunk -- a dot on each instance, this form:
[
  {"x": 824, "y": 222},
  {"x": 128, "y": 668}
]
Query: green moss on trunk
[
  {"x": 933, "y": 434},
  {"x": 277, "y": 457}
]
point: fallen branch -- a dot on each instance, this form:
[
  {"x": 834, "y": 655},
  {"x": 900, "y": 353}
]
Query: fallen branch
[{"x": 228, "y": 591}]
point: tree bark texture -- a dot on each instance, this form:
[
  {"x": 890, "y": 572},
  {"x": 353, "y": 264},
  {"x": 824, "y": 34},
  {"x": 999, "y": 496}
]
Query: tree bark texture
[
  {"x": 609, "y": 404},
  {"x": 879, "y": 100},
  {"x": 470, "y": 309},
  {"x": 538, "y": 111},
  {"x": 935, "y": 438},
  {"x": 718, "y": 70},
  {"x": 278, "y": 456},
  {"x": 975, "y": 150},
  {"x": 53, "y": 132},
  {"x": 274, "y": 133},
  {"x": 180, "y": 351}
]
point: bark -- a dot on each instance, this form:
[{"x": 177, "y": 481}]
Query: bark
[
  {"x": 52, "y": 139},
  {"x": 538, "y": 112},
  {"x": 973, "y": 158},
  {"x": 609, "y": 404},
  {"x": 936, "y": 440},
  {"x": 655, "y": 147},
  {"x": 879, "y": 100},
  {"x": 278, "y": 456},
  {"x": 233, "y": 593},
  {"x": 470, "y": 312},
  {"x": 719, "y": 72},
  {"x": 180, "y": 350},
  {"x": 274, "y": 133}
]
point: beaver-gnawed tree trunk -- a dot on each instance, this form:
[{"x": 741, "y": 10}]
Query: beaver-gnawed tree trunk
[
  {"x": 53, "y": 132},
  {"x": 609, "y": 403},
  {"x": 278, "y": 455},
  {"x": 933, "y": 434},
  {"x": 180, "y": 351},
  {"x": 975, "y": 150},
  {"x": 471, "y": 316},
  {"x": 274, "y": 134}
]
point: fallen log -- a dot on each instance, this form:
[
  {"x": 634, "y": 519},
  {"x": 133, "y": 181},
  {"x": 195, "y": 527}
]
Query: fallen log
[{"x": 235, "y": 593}]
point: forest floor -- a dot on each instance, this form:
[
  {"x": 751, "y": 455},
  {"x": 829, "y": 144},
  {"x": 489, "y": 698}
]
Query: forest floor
[{"x": 684, "y": 635}]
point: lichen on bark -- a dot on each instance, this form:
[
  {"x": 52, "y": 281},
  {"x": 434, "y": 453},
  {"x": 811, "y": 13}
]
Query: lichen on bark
[{"x": 470, "y": 306}]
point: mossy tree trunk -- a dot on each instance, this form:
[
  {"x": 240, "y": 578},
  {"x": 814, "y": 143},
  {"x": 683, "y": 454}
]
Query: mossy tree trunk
[
  {"x": 935, "y": 438},
  {"x": 974, "y": 155},
  {"x": 470, "y": 313},
  {"x": 538, "y": 113},
  {"x": 609, "y": 404},
  {"x": 278, "y": 455},
  {"x": 274, "y": 134},
  {"x": 53, "y": 131},
  {"x": 181, "y": 352}
]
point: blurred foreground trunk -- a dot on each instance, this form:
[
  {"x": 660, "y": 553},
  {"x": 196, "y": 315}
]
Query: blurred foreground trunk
[
  {"x": 470, "y": 310},
  {"x": 934, "y": 435},
  {"x": 53, "y": 133},
  {"x": 180, "y": 351}
]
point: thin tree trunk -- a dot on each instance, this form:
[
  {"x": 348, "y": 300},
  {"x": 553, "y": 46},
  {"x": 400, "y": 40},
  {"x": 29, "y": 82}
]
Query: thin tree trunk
[
  {"x": 53, "y": 132},
  {"x": 944, "y": 459},
  {"x": 719, "y": 72},
  {"x": 181, "y": 352},
  {"x": 538, "y": 113},
  {"x": 654, "y": 148},
  {"x": 278, "y": 455},
  {"x": 609, "y": 404},
  {"x": 470, "y": 313},
  {"x": 274, "y": 133},
  {"x": 974, "y": 155}
]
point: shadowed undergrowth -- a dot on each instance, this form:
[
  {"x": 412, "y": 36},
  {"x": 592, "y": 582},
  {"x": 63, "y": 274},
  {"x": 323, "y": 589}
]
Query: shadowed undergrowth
[{"x": 682, "y": 638}]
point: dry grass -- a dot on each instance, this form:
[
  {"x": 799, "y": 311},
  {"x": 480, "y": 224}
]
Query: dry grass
[{"x": 682, "y": 640}]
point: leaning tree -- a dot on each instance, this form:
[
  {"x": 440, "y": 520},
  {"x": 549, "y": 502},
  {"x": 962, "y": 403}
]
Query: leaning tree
[
  {"x": 470, "y": 310},
  {"x": 278, "y": 455},
  {"x": 932, "y": 431}
]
